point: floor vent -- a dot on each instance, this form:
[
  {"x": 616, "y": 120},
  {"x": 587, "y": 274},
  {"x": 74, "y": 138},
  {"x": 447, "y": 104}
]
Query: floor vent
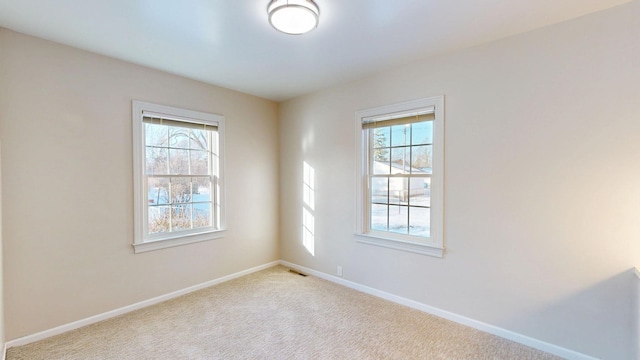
[{"x": 297, "y": 272}]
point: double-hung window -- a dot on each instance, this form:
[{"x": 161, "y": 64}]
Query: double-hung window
[
  {"x": 178, "y": 163},
  {"x": 400, "y": 156}
]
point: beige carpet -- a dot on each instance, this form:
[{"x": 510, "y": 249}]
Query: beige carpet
[{"x": 275, "y": 314}]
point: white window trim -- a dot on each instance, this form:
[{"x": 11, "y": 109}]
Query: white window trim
[
  {"x": 141, "y": 242},
  {"x": 434, "y": 245}
]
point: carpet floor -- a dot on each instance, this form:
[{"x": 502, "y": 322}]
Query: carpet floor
[{"x": 275, "y": 314}]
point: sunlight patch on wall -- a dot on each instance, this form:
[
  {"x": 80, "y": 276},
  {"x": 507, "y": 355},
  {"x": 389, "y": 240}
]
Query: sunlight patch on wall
[{"x": 308, "y": 220}]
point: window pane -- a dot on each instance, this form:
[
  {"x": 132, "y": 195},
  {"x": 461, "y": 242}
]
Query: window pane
[
  {"x": 201, "y": 189},
  {"x": 379, "y": 188},
  {"x": 379, "y": 217},
  {"x": 398, "y": 191},
  {"x": 158, "y": 219},
  {"x": 400, "y": 160},
  {"x": 380, "y": 162},
  {"x": 400, "y": 135},
  {"x": 181, "y": 217},
  {"x": 201, "y": 215},
  {"x": 419, "y": 221},
  {"x": 422, "y": 159},
  {"x": 178, "y": 162},
  {"x": 156, "y": 159},
  {"x": 381, "y": 137},
  {"x": 157, "y": 191},
  {"x": 155, "y": 135},
  {"x": 178, "y": 137},
  {"x": 420, "y": 192},
  {"x": 422, "y": 133},
  {"x": 198, "y": 140},
  {"x": 199, "y": 162},
  {"x": 398, "y": 219},
  {"x": 180, "y": 190}
]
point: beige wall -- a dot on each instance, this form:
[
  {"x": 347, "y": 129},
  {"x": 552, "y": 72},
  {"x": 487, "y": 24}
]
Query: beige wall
[
  {"x": 2, "y": 335},
  {"x": 65, "y": 120},
  {"x": 542, "y": 190}
]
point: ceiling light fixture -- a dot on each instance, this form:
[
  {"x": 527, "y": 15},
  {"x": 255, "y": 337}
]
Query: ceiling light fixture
[{"x": 293, "y": 17}]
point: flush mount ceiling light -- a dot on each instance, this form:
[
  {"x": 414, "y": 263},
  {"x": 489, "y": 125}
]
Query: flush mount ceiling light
[{"x": 293, "y": 17}]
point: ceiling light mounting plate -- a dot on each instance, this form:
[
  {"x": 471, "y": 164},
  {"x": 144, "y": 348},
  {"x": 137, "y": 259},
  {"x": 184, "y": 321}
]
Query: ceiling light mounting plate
[{"x": 294, "y": 17}]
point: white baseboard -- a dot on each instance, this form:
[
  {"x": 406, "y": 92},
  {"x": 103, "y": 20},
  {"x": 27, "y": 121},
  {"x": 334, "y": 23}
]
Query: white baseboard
[
  {"x": 510, "y": 335},
  {"x": 113, "y": 313}
]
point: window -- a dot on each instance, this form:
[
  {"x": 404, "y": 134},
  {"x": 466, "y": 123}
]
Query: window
[
  {"x": 178, "y": 182},
  {"x": 400, "y": 197}
]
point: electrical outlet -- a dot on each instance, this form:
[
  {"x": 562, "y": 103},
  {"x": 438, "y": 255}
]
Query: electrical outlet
[{"x": 339, "y": 270}]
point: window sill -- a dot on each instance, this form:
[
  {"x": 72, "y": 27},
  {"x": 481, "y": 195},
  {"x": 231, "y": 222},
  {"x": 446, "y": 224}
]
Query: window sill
[
  {"x": 413, "y": 247},
  {"x": 183, "y": 240}
]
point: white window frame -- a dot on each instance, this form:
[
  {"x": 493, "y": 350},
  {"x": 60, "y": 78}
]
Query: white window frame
[
  {"x": 144, "y": 242},
  {"x": 434, "y": 244}
]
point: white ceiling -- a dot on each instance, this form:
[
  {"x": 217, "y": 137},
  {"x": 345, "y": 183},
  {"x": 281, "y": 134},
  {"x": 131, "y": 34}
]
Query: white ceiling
[{"x": 231, "y": 44}]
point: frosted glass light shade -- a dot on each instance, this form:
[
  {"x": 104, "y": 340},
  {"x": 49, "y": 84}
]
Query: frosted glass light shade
[{"x": 293, "y": 17}]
